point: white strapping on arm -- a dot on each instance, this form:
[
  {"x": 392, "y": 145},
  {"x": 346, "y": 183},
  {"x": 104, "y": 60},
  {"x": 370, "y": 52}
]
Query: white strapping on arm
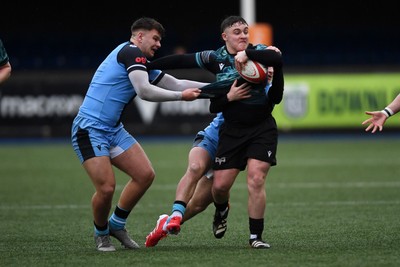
[
  {"x": 171, "y": 83},
  {"x": 146, "y": 91}
]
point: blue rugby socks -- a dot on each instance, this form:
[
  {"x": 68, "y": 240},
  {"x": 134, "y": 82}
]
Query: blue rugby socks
[{"x": 117, "y": 220}]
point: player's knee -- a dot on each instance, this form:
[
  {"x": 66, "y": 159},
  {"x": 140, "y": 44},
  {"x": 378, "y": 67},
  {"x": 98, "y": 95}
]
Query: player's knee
[
  {"x": 196, "y": 169},
  {"x": 145, "y": 179},
  {"x": 221, "y": 188},
  {"x": 106, "y": 191},
  {"x": 199, "y": 207},
  {"x": 256, "y": 181},
  {"x": 149, "y": 177}
]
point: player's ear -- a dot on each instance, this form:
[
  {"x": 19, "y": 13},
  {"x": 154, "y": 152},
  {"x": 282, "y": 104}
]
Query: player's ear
[
  {"x": 140, "y": 36},
  {"x": 223, "y": 36}
]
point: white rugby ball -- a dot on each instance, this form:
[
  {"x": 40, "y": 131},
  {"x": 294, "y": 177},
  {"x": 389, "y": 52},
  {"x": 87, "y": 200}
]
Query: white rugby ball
[{"x": 253, "y": 72}]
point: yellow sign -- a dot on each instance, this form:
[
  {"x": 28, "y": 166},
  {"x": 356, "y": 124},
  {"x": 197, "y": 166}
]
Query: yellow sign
[{"x": 334, "y": 100}]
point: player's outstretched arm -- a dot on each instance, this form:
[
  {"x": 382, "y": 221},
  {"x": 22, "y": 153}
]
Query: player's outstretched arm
[
  {"x": 153, "y": 93},
  {"x": 185, "y": 61},
  {"x": 378, "y": 118}
]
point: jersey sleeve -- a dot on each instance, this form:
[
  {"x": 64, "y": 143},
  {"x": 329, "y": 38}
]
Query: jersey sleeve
[
  {"x": 266, "y": 57},
  {"x": 132, "y": 58},
  {"x": 174, "y": 62}
]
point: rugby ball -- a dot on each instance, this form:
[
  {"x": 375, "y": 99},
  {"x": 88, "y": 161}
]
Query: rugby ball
[{"x": 253, "y": 72}]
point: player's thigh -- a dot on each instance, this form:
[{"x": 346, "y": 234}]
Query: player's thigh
[
  {"x": 100, "y": 171},
  {"x": 135, "y": 163}
]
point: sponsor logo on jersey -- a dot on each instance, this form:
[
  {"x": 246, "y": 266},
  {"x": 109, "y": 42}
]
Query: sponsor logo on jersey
[{"x": 141, "y": 60}]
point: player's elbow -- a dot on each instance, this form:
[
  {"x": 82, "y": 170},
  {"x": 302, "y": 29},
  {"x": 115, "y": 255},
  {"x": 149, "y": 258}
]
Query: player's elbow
[
  {"x": 278, "y": 99},
  {"x": 276, "y": 96},
  {"x": 144, "y": 95}
]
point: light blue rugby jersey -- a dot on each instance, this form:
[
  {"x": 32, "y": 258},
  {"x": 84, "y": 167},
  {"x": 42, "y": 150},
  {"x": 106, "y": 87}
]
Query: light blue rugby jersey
[{"x": 110, "y": 89}]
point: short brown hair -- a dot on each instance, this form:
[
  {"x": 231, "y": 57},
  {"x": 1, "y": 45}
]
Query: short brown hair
[
  {"x": 148, "y": 24},
  {"x": 229, "y": 21}
]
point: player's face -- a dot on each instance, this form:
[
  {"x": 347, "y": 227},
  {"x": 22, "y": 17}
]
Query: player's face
[
  {"x": 236, "y": 37},
  {"x": 151, "y": 42}
]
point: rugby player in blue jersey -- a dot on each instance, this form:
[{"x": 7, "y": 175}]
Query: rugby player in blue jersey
[{"x": 99, "y": 138}]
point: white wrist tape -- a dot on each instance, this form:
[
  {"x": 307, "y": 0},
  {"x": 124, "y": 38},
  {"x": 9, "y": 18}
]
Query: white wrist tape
[{"x": 387, "y": 111}]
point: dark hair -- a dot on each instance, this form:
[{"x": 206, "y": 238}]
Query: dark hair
[
  {"x": 148, "y": 24},
  {"x": 229, "y": 21}
]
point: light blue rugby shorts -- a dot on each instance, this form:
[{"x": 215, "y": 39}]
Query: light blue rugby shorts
[
  {"x": 93, "y": 139},
  {"x": 210, "y": 145}
]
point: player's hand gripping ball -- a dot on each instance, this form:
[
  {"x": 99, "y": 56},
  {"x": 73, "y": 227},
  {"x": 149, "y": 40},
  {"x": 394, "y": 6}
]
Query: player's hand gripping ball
[{"x": 252, "y": 71}]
